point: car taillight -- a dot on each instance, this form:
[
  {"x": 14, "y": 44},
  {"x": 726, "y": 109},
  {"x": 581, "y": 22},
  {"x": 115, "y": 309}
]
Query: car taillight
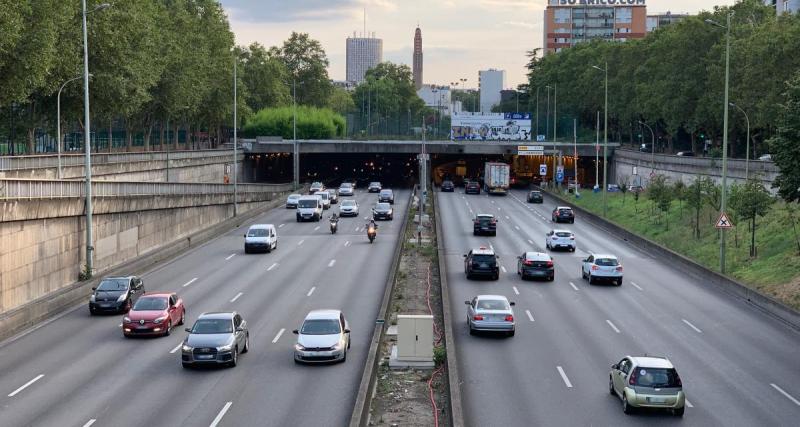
[
  {"x": 528, "y": 262},
  {"x": 494, "y": 221},
  {"x": 632, "y": 379},
  {"x": 549, "y": 263},
  {"x": 509, "y": 318},
  {"x": 595, "y": 268},
  {"x": 477, "y": 317},
  {"x": 619, "y": 269},
  {"x": 572, "y": 238},
  {"x": 476, "y": 221}
]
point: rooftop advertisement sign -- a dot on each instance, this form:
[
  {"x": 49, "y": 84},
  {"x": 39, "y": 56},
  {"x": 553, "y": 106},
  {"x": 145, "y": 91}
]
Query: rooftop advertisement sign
[{"x": 490, "y": 127}]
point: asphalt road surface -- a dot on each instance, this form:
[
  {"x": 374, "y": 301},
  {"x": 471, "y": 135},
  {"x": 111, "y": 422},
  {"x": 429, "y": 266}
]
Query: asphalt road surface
[
  {"x": 739, "y": 366},
  {"x": 79, "y": 370}
]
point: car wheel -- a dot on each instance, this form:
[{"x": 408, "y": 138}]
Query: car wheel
[
  {"x": 572, "y": 249},
  {"x": 553, "y": 277},
  {"x": 471, "y": 331},
  {"x": 247, "y": 251},
  {"x": 169, "y": 329},
  {"x": 186, "y": 365},
  {"x": 626, "y": 408},
  {"x": 619, "y": 281},
  {"x": 591, "y": 279},
  {"x": 183, "y": 317},
  {"x": 246, "y": 347},
  {"x": 611, "y": 387},
  {"x": 235, "y": 358},
  {"x": 344, "y": 356},
  {"x": 583, "y": 274},
  {"x": 678, "y": 412},
  {"x": 275, "y": 246},
  {"x": 511, "y": 333},
  {"x": 92, "y": 312},
  {"x": 496, "y": 276},
  {"x": 269, "y": 249}
]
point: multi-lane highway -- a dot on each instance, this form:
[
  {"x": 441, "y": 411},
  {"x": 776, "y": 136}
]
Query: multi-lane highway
[
  {"x": 78, "y": 370},
  {"x": 739, "y": 366}
]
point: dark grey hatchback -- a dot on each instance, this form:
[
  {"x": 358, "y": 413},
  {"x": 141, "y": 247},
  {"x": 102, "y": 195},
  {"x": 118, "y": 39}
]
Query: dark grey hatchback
[
  {"x": 215, "y": 339},
  {"x": 115, "y": 294}
]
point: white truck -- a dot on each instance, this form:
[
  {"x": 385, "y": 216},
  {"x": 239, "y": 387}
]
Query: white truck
[{"x": 496, "y": 178}]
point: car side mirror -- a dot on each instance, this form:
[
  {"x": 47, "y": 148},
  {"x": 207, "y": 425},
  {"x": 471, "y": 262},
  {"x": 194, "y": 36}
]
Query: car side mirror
[
  {"x": 245, "y": 235},
  {"x": 94, "y": 288},
  {"x": 585, "y": 260},
  {"x": 188, "y": 329},
  {"x": 467, "y": 302},
  {"x": 296, "y": 332},
  {"x": 512, "y": 303},
  {"x": 465, "y": 255},
  {"x": 615, "y": 366},
  {"x": 347, "y": 331}
]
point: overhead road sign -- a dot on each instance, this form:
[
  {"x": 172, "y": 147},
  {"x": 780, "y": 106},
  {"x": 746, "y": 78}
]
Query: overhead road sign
[{"x": 543, "y": 169}]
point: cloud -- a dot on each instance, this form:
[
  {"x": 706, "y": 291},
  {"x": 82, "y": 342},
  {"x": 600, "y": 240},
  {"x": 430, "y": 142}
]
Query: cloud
[
  {"x": 520, "y": 24},
  {"x": 283, "y": 11}
]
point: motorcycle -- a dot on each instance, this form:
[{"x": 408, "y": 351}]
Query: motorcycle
[
  {"x": 372, "y": 231},
  {"x": 334, "y": 225}
]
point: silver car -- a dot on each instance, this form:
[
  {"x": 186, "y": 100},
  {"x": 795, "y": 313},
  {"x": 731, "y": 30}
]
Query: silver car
[
  {"x": 291, "y": 201},
  {"x": 215, "y": 339},
  {"x": 647, "y": 382},
  {"x": 346, "y": 189},
  {"x": 348, "y": 207},
  {"x": 490, "y": 313},
  {"x": 324, "y": 337},
  {"x": 600, "y": 267},
  {"x": 333, "y": 195}
]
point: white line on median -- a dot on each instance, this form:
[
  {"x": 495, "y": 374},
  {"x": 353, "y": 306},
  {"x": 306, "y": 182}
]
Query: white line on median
[
  {"x": 347, "y": 243},
  {"x": 236, "y": 297},
  {"x": 120, "y": 325},
  {"x": 177, "y": 347},
  {"x": 311, "y": 291},
  {"x": 689, "y": 404},
  {"x": 316, "y": 228},
  {"x": 516, "y": 291},
  {"x": 530, "y": 241},
  {"x": 24, "y": 386},
  {"x": 330, "y": 264},
  {"x": 90, "y": 422},
  {"x": 277, "y": 337},
  {"x": 281, "y": 226},
  {"x": 271, "y": 267},
  {"x": 230, "y": 256},
  {"x": 530, "y": 316},
  {"x": 221, "y": 414},
  {"x": 490, "y": 245},
  {"x": 692, "y": 326},
  {"x": 636, "y": 286},
  {"x": 788, "y": 396},
  {"x": 564, "y": 376},
  {"x": 612, "y": 326},
  {"x": 573, "y": 286},
  {"x": 189, "y": 282},
  {"x": 503, "y": 268},
  {"x": 507, "y": 217},
  {"x": 300, "y": 242}
]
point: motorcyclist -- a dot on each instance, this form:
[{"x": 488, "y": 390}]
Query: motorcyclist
[{"x": 334, "y": 222}]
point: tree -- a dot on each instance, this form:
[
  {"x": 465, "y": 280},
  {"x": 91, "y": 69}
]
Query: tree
[
  {"x": 791, "y": 210},
  {"x": 307, "y": 64},
  {"x": 623, "y": 186},
  {"x": 696, "y": 198},
  {"x": 470, "y": 99},
  {"x": 387, "y": 95},
  {"x": 265, "y": 77},
  {"x": 785, "y": 143},
  {"x": 660, "y": 193},
  {"x": 752, "y": 201},
  {"x": 341, "y": 101},
  {"x": 679, "y": 190},
  {"x": 312, "y": 123}
]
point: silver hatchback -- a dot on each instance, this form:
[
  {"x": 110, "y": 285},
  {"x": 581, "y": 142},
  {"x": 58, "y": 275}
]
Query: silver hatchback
[
  {"x": 324, "y": 337},
  {"x": 490, "y": 313},
  {"x": 647, "y": 382}
]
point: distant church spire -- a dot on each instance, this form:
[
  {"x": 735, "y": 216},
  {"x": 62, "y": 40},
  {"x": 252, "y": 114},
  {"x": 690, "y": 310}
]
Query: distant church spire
[{"x": 417, "y": 58}]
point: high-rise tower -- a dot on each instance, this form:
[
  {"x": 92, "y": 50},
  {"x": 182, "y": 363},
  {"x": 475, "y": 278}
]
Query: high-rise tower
[{"x": 418, "y": 59}]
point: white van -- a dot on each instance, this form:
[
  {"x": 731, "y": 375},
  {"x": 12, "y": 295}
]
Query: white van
[
  {"x": 261, "y": 237},
  {"x": 326, "y": 198},
  {"x": 309, "y": 208}
]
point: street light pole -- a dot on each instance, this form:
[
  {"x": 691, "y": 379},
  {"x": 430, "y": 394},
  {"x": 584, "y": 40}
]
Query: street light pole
[
  {"x": 537, "y": 112},
  {"x": 605, "y": 141},
  {"x": 723, "y": 198},
  {"x": 296, "y": 154},
  {"x": 58, "y": 121},
  {"x": 747, "y": 158},
  {"x": 555, "y": 124},
  {"x": 652, "y": 148},
  {"x": 235, "y": 157},
  {"x": 597, "y": 153}
]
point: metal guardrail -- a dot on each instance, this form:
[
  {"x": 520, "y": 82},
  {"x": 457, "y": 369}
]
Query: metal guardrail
[
  {"x": 50, "y": 189},
  {"x": 698, "y": 162},
  {"x": 51, "y": 160}
]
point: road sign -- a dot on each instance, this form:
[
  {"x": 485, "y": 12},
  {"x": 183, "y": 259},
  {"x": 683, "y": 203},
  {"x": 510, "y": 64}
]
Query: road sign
[
  {"x": 539, "y": 138},
  {"x": 724, "y": 222},
  {"x": 530, "y": 153},
  {"x": 530, "y": 147},
  {"x": 423, "y": 156},
  {"x": 559, "y": 177},
  {"x": 652, "y": 174},
  {"x": 543, "y": 169}
]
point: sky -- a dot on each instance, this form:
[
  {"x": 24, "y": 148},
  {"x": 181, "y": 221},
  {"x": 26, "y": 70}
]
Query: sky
[{"x": 459, "y": 37}]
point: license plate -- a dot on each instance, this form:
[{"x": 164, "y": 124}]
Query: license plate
[
  {"x": 205, "y": 356},
  {"x": 656, "y": 399}
]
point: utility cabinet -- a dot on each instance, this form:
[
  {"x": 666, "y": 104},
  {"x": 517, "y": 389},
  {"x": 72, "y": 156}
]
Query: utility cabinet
[{"x": 414, "y": 338}]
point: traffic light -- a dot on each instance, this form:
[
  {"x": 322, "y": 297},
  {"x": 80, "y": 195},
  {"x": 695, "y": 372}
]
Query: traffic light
[{"x": 702, "y": 135}]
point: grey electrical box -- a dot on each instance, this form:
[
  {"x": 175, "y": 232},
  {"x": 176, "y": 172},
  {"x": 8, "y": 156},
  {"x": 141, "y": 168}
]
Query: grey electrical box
[{"x": 414, "y": 338}]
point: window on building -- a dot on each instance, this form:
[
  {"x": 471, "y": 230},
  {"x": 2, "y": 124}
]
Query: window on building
[
  {"x": 562, "y": 15},
  {"x": 624, "y": 15},
  {"x": 623, "y": 30},
  {"x": 562, "y": 30}
]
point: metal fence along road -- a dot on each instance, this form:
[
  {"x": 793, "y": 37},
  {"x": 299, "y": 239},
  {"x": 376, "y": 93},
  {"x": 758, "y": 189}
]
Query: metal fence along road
[
  {"x": 45, "y": 189},
  {"x": 51, "y": 160}
]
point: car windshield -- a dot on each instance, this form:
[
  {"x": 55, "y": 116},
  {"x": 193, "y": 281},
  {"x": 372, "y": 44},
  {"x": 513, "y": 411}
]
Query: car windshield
[
  {"x": 492, "y": 304},
  {"x": 320, "y": 327},
  {"x": 212, "y": 326},
  {"x": 382, "y": 207},
  {"x": 447, "y": 183},
  {"x": 565, "y": 211},
  {"x": 345, "y": 185},
  {"x": 159, "y": 303},
  {"x": 485, "y": 218},
  {"x": 323, "y": 194},
  {"x": 307, "y": 203},
  {"x": 607, "y": 262},
  {"x": 535, "y": 193},
  {"x": 657, "y": 377},
  {"x": 113, "y": 285},
  {"x": 257, "y": 232},
  {"x": 386, "y": 192},
  {"x": 316, "y": 185},
  {"x": 374, "y": 184},
  {"x": 294, "y": 196},
  {"x": 483, "y": 258},
  {"x": 563, "y": 234},
  {"x": 349, "y": 203}
]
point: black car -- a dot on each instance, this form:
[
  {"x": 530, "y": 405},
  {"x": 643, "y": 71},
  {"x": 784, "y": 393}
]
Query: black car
[
  {"x": 387, "y": 196},
  {"x": 481, "y": 262},
  {"x": 382, "y": 211},
  {"x": 536, "y": 265},
  {"x": 448, "y": 187},
  {"x": 115, "y": 294},
  {"x": 472, "y": 187},
  {"x": 563, "y": 214},
  {"x": 535, "y": 197},
  {"x": 484, "y": 224}
]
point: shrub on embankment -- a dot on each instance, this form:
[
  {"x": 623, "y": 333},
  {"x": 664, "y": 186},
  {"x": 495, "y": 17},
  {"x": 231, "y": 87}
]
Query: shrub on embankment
[{"x": 312, "y": 123}]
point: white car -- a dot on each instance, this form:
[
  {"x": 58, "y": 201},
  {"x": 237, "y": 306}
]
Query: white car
[
  {"x": 309, "y": 208},
  {"x": 261, "y": 237},
  {"x": 348, "y": 207},
  {"x": 602, "y": 267},
  {"x": 291, "y": 201},
  {"x": 324, "y": 337},
  {"x": 558, "y": 239},
  {"x": 325, "y": 197},
  {"x": 346, "y": 189}
]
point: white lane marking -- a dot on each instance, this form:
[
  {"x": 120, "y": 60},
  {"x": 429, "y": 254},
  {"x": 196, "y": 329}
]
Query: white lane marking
[
  {"x": 492, "y": 201},
  {"x": 507, "y": 217},
  {"x": 330, "y": 264},
  {"x": 530, "y": 316},
  {"x": 503, "y": 268},
  {"x": 120, "y": 325},
  {"x": 516, "y": 291},
  {"x": 177, "y": 347},
  {"x": 300, "y": 242},
  {"x": 573, "y": 286},
  {"x": 780, "y": 390},
  {"x": 564, "y": 376},
  {"x": 689, "y": 404},
  {"x": 277, "y": 337},
  {"x": 530, "y": 241},
  {"x": 90, "y": 422},
  {"x": 636, "y": 286},
  {"x": 471, "y": 212},
  {"x": 271, "y": 267},
  {"x": 316, "y": 228},
  {"x": 347, "y": 243},
  {"x": 221, "y": 414},
  {"x": 517, "y": 227},
  {"x": 230, "y": 256},
  {"x": 490, "y": 245},
  {"x": 189, "y": 282},
  {"x": 612, "y": 326},
  {"x": 498, "y": 209},
  {"x": 236, "y": 297},
  {"x": 24, "y": 386},
  {"x": 311, "y": 291},
  {"x": 692, "y": 326},
  {"x": 281, "y": 226}
]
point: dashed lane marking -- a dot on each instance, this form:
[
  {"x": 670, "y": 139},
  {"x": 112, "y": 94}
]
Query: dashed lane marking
[{"x": 189, "y": 282}]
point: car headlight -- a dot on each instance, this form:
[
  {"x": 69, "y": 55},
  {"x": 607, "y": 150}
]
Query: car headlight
[
  {"x": 299, "y": 347},
  {"x": 160, "y": 319},
  {"x": 390, "y": 211},
  {"x": 91, "y": 298},
  {"x": 122, "y": 297},
  {"x": 225, "y": 347},
  {"x": 126, "y": 319},
  {"x": 187, "y": 348},
  {"x": 337, "y": 346}
]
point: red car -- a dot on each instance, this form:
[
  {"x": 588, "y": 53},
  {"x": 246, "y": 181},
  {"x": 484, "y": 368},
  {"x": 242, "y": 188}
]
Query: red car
[{"x": 154, "y": 314}]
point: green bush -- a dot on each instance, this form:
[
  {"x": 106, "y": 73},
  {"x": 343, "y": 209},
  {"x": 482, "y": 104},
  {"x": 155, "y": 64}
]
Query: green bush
[
  {"x": 439, "y": 355},
  {"x": 312, "y": 123}
]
